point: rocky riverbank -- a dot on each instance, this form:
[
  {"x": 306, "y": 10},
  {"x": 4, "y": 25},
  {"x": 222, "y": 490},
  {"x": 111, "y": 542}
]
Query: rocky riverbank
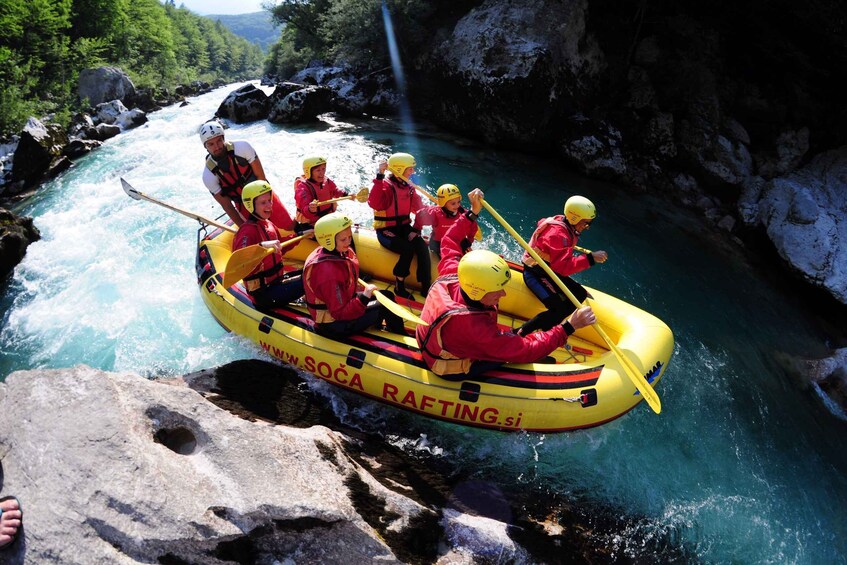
[{"x": 243, "y": 464}]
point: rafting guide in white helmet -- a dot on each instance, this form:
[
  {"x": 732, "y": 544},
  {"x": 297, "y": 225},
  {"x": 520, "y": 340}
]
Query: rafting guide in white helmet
[{"x": 230, "y": 166}]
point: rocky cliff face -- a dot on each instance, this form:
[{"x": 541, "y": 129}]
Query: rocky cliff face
[{"x": 697, "y": 102}]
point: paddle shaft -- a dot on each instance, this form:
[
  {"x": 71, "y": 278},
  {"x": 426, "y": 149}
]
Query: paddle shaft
[
  {"x": 395, "y": 308},
  {"x": 432, "y": 198},
  {"x": 332, "y": 200},
  {"x": 631, "y": 371},
  {"x": 136, "y": 195}
]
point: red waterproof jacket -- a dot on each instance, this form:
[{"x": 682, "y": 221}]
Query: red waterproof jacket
[
  {"x": 436, "y": 217},
  {"x": 461, "y": 331},
  {"x": 393, "y": 202},
  {"x": 554, "y": 240},
  {"x": 330, "y": 280},
  {"x": 307, "y": 190}
]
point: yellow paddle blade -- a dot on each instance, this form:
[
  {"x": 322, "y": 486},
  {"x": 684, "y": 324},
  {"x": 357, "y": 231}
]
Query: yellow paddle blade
[
  {"x": 396, "y": 308},
  {"x": 242, "y": 262},
  {"x": 478, "y": 235},
  {"x": 362, "y": 195}
]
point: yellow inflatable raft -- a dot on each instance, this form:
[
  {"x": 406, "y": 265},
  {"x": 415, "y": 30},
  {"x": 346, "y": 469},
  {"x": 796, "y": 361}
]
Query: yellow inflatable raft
[{"x": 585, "y": 387}]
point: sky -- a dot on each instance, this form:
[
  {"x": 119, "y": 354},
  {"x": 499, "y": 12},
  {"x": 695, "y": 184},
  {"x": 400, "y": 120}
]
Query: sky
[{"x": 205, "y": 7}]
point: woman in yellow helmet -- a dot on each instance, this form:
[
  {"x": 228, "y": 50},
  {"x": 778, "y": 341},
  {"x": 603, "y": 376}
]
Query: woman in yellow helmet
[
  {"x": 268, "y": 284},
  {"x": 394, "y": 199},
  {"x": 463, "y": 339},
  {"x": 313, "y": 187},
  {"x": 441, "y": 216},
  {"x": 554, "y": 240},
  {"x": 337, "y": 303}
]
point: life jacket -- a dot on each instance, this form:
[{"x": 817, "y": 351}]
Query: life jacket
[
  {"x": 438, "y": 359},
  {"x": 401, "y": 208},
  {"x": 325, "y": 189},
  {"x": 235, "y": 177},
  {"x": 317, "y": 307},
  {"x": 271, "y": 267},
  {"x": 443, "y": 223},
  {"x": 543, "y": 226}
]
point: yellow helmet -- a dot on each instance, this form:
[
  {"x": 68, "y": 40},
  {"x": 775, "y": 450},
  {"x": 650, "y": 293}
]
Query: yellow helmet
[
  {"x": 579, "y": 208},
  {"x": 399, "y": 162},
  {"x": 310, "y": 163},
  {"x": 327, "y": 227},
  {"x": 482, "y": 271},
  {"x": 252, "y": 191},
  {"x": 446, "y": 193}
]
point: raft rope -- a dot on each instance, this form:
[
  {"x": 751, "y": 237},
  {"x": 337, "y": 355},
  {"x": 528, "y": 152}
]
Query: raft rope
[{"x": 395, "y": 373}]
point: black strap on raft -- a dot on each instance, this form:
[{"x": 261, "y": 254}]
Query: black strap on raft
[{"x": 392, "y": 219}]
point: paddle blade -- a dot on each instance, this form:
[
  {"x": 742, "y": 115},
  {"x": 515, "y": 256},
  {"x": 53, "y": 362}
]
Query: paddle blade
[
  {"x": 399, "y": 310},
  {"x": 362, "y": 195},
  {"x": 396, "y": 308},
  {"x": 242, "y": 263},
  {"x": 130, "y": 191}
]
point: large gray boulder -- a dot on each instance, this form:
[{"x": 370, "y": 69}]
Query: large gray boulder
[
  {"x": 115, "y": 468},
  {"x": 805, "y": 217},
  {"x": 303, "y": 105},
  {"x": 102, "y": 84},
  {"x": 39, "y": 149},
  {"x": 246, "y": 104}
]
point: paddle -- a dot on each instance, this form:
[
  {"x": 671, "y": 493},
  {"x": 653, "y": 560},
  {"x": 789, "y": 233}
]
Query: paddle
[
  {"x": 582, "y": 249},
  {"x": 242, "y": 262},
  {"x": 361, "y": 196},
  {"x": 136, "y": 195},
  {"x": 396, "y": 308},
  {"x": 631, "y": 371}
]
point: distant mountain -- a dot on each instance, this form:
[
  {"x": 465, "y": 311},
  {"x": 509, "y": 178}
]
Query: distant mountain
[{"x": 255, "y": 27}]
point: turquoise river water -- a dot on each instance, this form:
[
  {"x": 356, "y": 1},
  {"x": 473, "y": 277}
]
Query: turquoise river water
[{"x": 743, "y": 465}]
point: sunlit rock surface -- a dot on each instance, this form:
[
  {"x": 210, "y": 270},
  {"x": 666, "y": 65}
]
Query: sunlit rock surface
[
  {"x": 239, "y": 464},
  {"x": 805, "y": 216}
]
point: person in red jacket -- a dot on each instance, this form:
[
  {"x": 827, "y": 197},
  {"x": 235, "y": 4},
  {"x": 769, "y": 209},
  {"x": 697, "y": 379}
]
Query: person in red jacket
[
  {"x": 268, "y": 284},
  {"x": 337, "y": 303},
  {"x": 230, "y": 166},
  {"x": 554, "y": 240},
  {"x": 314, "y": 187},
  {"x": 441, "y": 216},
  {"x": 463, "y": 339},
  {"x": 393, "y": 199}
]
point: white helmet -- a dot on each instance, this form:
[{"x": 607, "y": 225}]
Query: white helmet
[{"x": 210, "y": 129}]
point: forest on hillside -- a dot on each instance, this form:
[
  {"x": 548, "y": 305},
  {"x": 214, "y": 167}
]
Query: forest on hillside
[
  {"x": 255, "y": 26},
  {"x": 44, "y": 44}
]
